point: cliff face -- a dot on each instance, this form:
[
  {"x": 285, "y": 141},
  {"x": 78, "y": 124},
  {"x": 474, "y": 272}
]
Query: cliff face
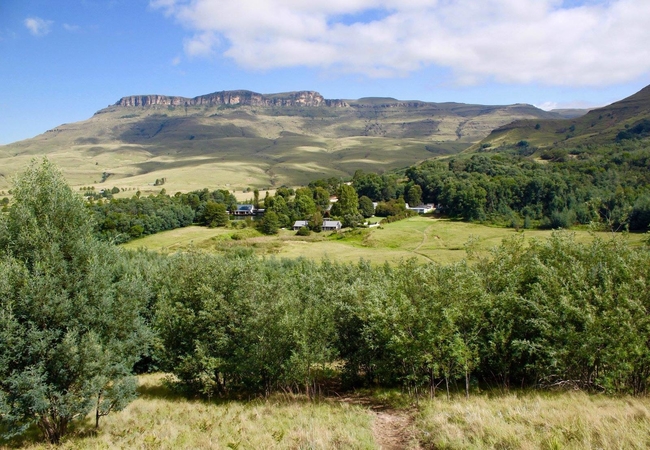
[{"x": 246, "y": 98}]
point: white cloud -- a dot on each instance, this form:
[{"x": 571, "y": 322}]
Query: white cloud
[
  {"x": 38, "y": 26},
  {"x": 71, "y": 28},
  {"x": 599, "y": 42},
  {"x": 576, "y": 104}
]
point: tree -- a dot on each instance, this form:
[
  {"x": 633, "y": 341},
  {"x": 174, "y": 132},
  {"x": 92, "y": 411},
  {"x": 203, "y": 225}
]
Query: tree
[
  {"x": 347, "y": 206},
  {"x": 414, "y": 195},
  {"x": 70, "y": 323},
  {"x": 215, "y": 214},
  {"x": 366, "y": 208},
  {"x": 316, "y": 222},
  {"x": 270, "y": 224}
]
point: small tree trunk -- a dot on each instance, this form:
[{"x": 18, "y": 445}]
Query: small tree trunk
[
  {"x": 447, "y": 385},
  {"x": 99, "y": 398},
  {"x": 466, "y": 383},
  {"x": 53, "y": 429}
]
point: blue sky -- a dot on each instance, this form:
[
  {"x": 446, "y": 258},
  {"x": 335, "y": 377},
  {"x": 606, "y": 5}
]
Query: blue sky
[{"x": 61, "y": 61}]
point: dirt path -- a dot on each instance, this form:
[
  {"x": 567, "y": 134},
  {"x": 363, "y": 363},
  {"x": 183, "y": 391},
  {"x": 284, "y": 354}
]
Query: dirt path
[
  {"x": 424, "y": 240},
  {"x": 391, "y": 428}
]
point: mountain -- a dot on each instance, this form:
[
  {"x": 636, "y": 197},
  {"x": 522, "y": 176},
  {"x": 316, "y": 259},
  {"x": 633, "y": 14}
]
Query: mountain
[
  {"x": 239, "y": 139},
  {"x": 570, "y": 113},
  {"x": 629, "y": 118}
]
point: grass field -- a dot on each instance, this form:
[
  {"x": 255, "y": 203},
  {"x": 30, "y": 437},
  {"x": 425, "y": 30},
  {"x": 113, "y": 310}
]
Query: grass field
[
  {"x": 546, "y": 420},
  {"x": 161, "y": 419},
  {"x": 423, "y": 238}
]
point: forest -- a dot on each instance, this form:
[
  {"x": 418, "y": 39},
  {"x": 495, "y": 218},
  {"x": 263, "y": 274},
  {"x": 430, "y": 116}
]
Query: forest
[{"x": 80, "y": 316}]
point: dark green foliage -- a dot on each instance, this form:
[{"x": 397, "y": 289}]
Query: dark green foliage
[
  {"x": 555, "y": 313},
  {"x": 215, "y": 214},
  {"x": 346, "y": 208},
  {"x": 303, "y": 231},
  {"x": 414, "y": 195},
  {"x": 366, "y": 207},
  {"x": 640, "y": 130},
  {"x": 120, "y": 220},
  {"x": 270, "y": 223},
  {"x": 586, "y": 184},
  {"x": 70, "y": 324},
  {"x": 316, "y": 222},
  {"x": 640, "y": 214},
  {"x": 390, "y": 208}
]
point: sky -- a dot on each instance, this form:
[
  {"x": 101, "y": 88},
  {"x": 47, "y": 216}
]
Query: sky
[{"x": 63, "y": 60}]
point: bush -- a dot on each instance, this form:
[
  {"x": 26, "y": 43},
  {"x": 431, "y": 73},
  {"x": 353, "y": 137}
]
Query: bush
[{"x": 303, "y": 231}]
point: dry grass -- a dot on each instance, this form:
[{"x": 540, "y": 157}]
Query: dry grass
[
  {"x": 524, "y": 420},
  {"x": 158, "y": 419},
  {"x": 536, "y": 421}
]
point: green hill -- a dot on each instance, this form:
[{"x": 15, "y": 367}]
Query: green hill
[
  {"x": 237, "y": 139},
  {"x": 599, "y": 126}
]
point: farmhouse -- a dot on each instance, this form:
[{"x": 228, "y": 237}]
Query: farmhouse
[
  {"x": 299, "y": 224},
  {"x": 328, "y": 225},
  {"x": 331, "y": 225},
  {"x": 421, "y": 209},
  {"x": 247, "y": 210}
]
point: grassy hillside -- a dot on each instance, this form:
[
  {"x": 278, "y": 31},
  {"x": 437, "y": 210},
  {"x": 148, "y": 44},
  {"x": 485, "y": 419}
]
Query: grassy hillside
[
  {"x": 423, "y": 238},
  {"x": 598, "y": 126},
  {"x": 237, "y": 146}
]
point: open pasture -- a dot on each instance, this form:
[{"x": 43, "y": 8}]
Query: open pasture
[{"x": 424, "y": 238}]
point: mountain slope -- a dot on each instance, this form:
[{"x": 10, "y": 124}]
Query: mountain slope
[
  {"x": 598, "y": 126},
  {"x": 237, "y": 139}
]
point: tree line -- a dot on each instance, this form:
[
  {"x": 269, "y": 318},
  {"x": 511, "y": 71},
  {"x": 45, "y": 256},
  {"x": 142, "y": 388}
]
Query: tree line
[
  {"x": 607, "y": 185},
  {"x": 78, "y": 316}
]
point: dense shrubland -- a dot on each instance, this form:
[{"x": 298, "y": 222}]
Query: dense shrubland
[{"x": 556, "y": 313}]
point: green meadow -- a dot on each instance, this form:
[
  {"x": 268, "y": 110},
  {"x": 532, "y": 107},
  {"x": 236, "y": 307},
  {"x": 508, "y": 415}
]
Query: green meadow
[{"x": 423, "y": 238}]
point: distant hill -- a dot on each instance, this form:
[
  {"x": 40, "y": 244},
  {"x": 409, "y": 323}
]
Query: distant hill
[
  {"x": 237, "y": 139},
  {"x": 570, "y": 113},
  {"x": 602, "y": 125}
]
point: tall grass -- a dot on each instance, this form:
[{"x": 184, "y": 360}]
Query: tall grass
[
  {"x": 162, "y": 420},
  {"x": 536, "y": 421}
]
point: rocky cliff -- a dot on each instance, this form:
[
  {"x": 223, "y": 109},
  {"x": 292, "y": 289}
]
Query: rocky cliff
[{"x": 245, "y": 98}]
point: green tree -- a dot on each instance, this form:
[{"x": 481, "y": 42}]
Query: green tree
[
  {"x": 366, "y": 207},
  {"x": 414, "y": 195},
  {"x": 270, "y": 223},
  {"x": 215, "y": 214},
  {"x": 347, "y": 206},
  {"x": 316, "y": 222},
  {"x": 70, "y": 323}
]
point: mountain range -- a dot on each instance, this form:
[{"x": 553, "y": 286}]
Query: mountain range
[{"x": 240, "y": 139}]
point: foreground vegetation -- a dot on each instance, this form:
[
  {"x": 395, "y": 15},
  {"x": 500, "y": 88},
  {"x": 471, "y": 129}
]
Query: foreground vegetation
[
  {"x": 160, "y": 418},
  {"x": 534, "y": 420}
]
